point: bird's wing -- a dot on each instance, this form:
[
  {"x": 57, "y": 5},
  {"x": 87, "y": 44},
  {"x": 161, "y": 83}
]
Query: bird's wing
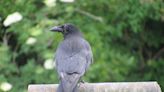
[
  {"x": 89, "y": 55},
  {"x": 73, "y": 62}
]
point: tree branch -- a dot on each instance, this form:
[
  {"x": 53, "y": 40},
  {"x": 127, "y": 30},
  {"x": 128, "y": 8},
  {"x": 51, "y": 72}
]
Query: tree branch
[
  {"x": 158, "y": 53},
  {"x": 97, "y": 18}
]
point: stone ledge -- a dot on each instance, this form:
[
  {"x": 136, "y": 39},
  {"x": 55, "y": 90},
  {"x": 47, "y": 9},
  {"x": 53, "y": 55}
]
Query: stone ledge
[{"x": 102, "y": 87}]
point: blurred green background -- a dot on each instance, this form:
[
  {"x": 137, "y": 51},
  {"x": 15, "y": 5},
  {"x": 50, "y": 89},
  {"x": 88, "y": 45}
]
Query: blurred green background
[{"x": 126, "y": 36}]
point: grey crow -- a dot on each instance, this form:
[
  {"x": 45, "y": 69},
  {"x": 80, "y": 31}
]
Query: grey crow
[{"x": 73, "y": 57}]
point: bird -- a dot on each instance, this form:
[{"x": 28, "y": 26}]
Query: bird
[{"x": 72, "y": 58}]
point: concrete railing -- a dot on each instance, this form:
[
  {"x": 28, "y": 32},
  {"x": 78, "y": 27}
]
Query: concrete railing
[{"x": 102, "y": 87}]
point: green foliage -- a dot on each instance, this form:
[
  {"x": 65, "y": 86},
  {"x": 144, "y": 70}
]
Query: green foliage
[{"x": 126, "y": 37}]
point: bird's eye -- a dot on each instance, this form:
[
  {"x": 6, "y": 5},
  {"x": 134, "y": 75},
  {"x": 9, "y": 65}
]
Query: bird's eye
[{"x": 62, "y": 27}]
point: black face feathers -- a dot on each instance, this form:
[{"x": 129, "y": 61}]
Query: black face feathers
[{"x": 65, "y": 29}]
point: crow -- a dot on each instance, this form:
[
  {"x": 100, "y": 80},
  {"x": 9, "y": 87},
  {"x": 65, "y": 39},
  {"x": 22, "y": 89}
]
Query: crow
[{"x": 73, "y": 57}]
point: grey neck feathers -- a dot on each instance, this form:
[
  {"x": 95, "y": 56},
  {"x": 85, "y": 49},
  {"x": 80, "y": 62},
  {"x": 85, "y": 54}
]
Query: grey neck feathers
[{"x": 72, "y": 34}]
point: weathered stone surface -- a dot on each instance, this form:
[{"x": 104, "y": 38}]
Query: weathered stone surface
[{"x": 102, "y": 87}]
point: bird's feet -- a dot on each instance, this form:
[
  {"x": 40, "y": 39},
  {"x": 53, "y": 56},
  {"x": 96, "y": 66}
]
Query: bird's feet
[{"x": 82, "y": 81}]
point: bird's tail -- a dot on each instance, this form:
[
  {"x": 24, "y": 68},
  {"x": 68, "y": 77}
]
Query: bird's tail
[{"x": 68, "y": 83}]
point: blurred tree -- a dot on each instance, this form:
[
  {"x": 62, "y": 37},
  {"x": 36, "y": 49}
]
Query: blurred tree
[{"x": 126, "y": 37}]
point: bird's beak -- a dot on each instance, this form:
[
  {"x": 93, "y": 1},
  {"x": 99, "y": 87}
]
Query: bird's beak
[{"x": 56, "y": 29}]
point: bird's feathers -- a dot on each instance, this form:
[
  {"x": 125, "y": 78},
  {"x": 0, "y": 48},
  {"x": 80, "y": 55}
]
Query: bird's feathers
[
  {"x": 73, "y": 55},
  {"x": 69, "y": 82}
]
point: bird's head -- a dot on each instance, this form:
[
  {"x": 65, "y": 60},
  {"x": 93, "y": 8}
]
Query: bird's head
[{"x": 65, "y": 29}]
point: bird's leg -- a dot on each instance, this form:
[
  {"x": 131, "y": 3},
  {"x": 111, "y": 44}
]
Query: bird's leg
[{"x": 82, "y": 81}]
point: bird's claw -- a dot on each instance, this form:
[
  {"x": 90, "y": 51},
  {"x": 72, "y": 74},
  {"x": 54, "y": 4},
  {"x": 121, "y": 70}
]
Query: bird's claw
[{"x": 82, "y": 81}]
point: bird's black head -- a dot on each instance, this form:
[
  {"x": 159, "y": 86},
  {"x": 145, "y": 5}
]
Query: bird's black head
[{"x": 66, "y": 29}]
